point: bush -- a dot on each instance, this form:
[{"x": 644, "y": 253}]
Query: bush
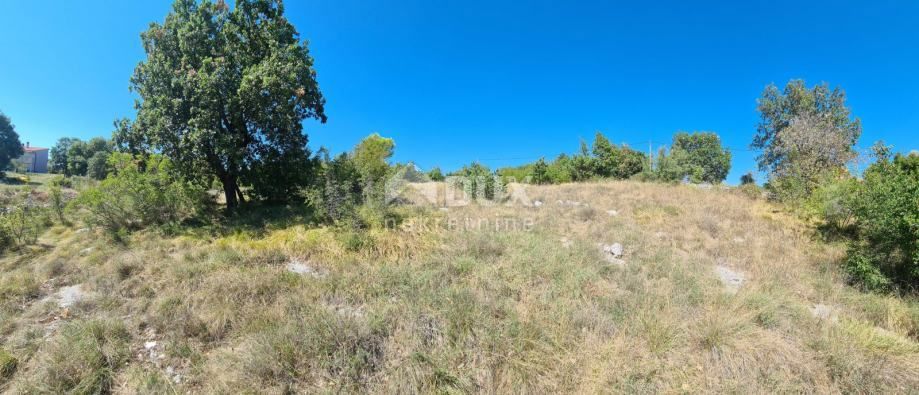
[
  {"x": 8, "y": 365},
  {"x": 479, "y": 183},
  {"x": 21, "y": 223},
  {"x": 747, "y": 179},
  {"x": 139, "y": 192},
  {"x": 828, "y": 201},
  {"x": 885, "y": 208},
  {"x": 337, "y": 191},
  {"x": 436, "y": 175}
]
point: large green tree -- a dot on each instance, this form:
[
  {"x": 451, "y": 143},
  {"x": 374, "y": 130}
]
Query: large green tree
[
  {"x": 804, "y": 132},
  {"x": 224, "y": 92},
  {"x": 59, "y": 158},
  {"x": 698, "y": 156},
  {"x": 371, "y": 158},
  {"x": 10, "y": 146}
]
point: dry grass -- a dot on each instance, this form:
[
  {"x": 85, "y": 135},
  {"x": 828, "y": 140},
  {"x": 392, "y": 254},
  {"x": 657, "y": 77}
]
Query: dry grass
[{"x": 460, "y": 306}]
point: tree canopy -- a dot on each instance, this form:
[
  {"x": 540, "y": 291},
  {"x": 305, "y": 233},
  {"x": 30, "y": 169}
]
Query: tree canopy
[
  {"x": 804, "y": 123},
  {"x": 10, "y": 146},
  {"x": 74, "y": 157},
  {"x": 697, "y": 156},
  {"x": 223, "y": 93}
]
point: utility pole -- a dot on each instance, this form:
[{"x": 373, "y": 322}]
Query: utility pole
[{"x": 650, "y": 157}]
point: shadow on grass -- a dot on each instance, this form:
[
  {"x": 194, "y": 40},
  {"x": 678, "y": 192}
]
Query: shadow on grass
[
  {"x": 18, "y": 181},
  {"x": 256, "y": 218}
]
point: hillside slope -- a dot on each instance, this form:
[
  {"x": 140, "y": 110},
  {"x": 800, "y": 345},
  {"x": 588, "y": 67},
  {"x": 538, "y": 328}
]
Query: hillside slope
[{"x": 710, "y": 291}]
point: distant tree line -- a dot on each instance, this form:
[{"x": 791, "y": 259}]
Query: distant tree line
[
  {"x": 693, "y": 157},
  {"x": 74, "y": 157}
]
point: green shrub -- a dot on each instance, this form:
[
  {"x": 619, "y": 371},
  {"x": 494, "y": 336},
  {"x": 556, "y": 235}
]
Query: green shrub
[
  {"x": 61, "y": 181},
  {"x": 337, "y": 191},
  {"x": 479, "y": 183},
  {"x": 885, "y": 208},
  {"x": 8, "y": 365},
  {"x": 139, "y": 192},
  {"x": 21, "y": 224},
  {"x": 828, "y": 201},
  {"x": 747, "y": 179},
  {"x": 436, "y": 175}
]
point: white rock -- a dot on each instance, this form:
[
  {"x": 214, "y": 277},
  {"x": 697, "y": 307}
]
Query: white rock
[
  {"x": 537, "y": 203},
  {"x": 149, "y": 345},
  {"x": 614, "y": 249},
  {"x": 86, "y": 251},
  {"x": 612, "y": 213},
  {"x": 612, "y": 253},
  {"x": 68, "y": 296},
  {"x": 299, "y": 267},
  {"x": 824, "y": 312},
  {"x": 731, "y": 279}
]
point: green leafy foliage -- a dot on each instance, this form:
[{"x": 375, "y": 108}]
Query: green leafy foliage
[
  {"x": 479, "y": 182},
  {"x": 337, "y": 191},
  {"x": 885, "y": 207},
  {"x": 609, "y": 160},
  {"x": 540, "y": 172},
  {"x": 23, "y": 218},
  {"x": 75, "y": 157},
  {"x": 140, "y": 192},
  {"x": 10, "y": 147},
  {"x": 698, "y": 157},
  {"x": 223, "y": 94},
  {"x": 804, "y": 135},
  {"x": 747, "y": 179},
  {"x": 436, "y": 175},
  {"x": 371, "y": 159}
]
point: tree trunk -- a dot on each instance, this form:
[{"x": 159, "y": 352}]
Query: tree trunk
[
  {"x": 239, "y": 192},
  {"x": 229, "y": 191}
]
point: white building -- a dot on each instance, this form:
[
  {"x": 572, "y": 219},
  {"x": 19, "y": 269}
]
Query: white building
[{"x": 35, "y": 159}]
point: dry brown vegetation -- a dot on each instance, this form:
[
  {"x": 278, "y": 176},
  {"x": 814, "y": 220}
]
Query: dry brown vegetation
[{"x": 442, "y": 308}]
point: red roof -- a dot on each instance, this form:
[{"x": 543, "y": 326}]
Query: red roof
[{"x": 34, "y": 149}]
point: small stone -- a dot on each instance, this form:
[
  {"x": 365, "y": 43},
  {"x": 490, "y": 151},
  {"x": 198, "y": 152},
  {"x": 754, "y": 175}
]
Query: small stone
[
  {"x": 612, "y": 213},
  {"x": 86, "y": 251},
  {"x": 615, "y": 249},
  {"x": 298, "y": 267},
  {"x": 149, "y": 345},
  {"x": 823, "y": 312},
  {"x": 68, "y": 296},
  {"x": 81, "y": 230},
  {"x": 566, "y": 242},
  {"x": 537, "y": 203},
  {"x": 731, "y": 279},
  {"x": 612, "y": 253}
]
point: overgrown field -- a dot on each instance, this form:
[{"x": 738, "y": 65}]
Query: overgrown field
[{"x": 713, "y": 292}]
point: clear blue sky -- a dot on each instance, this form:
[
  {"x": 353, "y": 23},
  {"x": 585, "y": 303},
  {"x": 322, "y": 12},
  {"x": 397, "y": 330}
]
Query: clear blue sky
[{"x": 499, "y": 81}]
